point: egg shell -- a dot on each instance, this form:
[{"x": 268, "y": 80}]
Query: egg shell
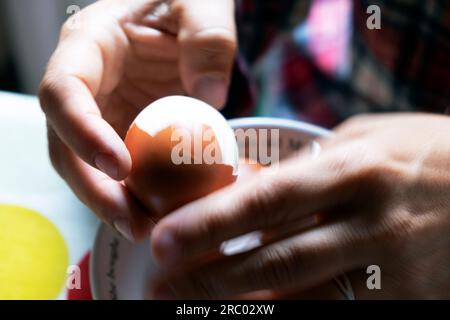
[
  {"x": 161, "y": 183},
  {"x": 247, "y": 169}
]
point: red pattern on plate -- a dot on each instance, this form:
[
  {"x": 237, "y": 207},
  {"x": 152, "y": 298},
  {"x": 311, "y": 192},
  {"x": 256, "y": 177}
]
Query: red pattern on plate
[{"x": 84, "y": 293}]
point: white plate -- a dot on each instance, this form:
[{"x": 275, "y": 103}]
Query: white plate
[{"x": 120, "y": 269}]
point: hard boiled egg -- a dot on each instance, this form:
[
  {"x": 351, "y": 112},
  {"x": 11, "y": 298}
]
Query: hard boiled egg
[
  {"x": 182, "y": 149},
  {"x": 248, "y": 169}
]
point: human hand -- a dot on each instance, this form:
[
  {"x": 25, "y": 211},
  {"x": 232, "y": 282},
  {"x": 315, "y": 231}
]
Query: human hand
[
  {"x": 382, "y": 187},
  {"x": 122, "y": 56}
]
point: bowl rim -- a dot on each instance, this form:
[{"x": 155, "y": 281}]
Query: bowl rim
[
  {"x": 93, "y": 279},
  {"x": 267, "y": 122}
]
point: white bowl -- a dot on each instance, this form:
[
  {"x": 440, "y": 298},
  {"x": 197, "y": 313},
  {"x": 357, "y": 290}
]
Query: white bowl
[{"x": 120, "y": 269}]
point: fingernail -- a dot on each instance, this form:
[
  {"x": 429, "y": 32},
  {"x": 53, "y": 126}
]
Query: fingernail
[
  {"x": 107, "y": 164},
  {"x": 123, "y": 226},
  {"x": 212, "y": 89},
  {"x": 167, "y": 249}
]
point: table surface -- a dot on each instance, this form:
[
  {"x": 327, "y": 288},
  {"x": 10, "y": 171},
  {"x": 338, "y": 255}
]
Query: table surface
[{"x": 28, "y": 180}]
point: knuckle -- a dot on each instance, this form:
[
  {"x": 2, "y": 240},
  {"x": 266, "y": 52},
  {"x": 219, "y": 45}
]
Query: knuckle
[
  {"x": 47, "y": 90},
  {"x": 382, "y": 176},
  {"x": 372, "y": 173},
  {"x": 368, "y": 168},
  {"x": 51, "y": 90}
]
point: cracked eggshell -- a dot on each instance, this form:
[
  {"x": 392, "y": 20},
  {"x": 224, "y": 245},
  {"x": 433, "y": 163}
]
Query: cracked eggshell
[{"x": 182, "y": 149}]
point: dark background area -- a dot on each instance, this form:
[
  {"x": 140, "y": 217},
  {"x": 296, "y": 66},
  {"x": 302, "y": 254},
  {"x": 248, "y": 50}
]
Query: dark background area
[
  {"x": 29, "y": 31},
  {"x": 9, "y": 80}
]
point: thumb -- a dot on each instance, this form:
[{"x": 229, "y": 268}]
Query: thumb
[{"x": 207, "y": 39}]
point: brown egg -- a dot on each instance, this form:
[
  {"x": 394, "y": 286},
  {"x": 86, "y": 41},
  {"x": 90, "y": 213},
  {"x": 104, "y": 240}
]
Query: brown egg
[
  {"x": 182, "y": 149},
  {"x": 247, "y": 169}
]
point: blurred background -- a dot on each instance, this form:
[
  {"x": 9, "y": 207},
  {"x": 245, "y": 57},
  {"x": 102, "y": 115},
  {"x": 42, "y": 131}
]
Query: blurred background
[
  {"x": 29, "y": 31},
  {"x": 28, "y": 35}
]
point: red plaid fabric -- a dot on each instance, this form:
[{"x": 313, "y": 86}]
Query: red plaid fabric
[{"x": 317, "y": 60}]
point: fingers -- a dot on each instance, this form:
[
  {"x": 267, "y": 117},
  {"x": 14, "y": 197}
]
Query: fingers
[
  {"x": 206, "y": 44},
  {"x": 67, "y": 95},
  {"x": 296, "y": 264},
  {"x": 72, "y": 112},
  {"x": 109, "y": 199},
  {"x": 207, "y": 39},
  {"x": 296, "y": 191}
]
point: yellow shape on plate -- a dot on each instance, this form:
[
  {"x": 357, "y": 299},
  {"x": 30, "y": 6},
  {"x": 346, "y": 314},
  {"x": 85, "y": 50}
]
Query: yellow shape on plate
[{"x": 33, "y": 255}]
